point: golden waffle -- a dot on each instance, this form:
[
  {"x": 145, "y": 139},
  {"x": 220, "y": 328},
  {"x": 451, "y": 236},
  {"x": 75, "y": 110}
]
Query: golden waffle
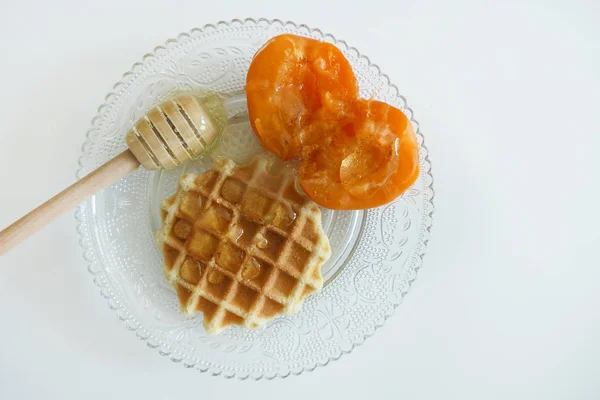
[{"x": 242, "y": 245}]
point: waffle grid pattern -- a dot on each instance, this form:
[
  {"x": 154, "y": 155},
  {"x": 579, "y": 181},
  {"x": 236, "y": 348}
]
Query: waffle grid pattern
[{"x": 242, "y": 245}]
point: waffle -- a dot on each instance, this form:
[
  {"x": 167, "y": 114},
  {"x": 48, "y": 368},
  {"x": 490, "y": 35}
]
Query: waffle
[{"x": 242, "y": 245}]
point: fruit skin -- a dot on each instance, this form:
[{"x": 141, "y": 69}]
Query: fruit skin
[{"x": 303, "y": 103}]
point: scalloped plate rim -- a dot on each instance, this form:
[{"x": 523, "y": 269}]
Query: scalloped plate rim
[{"x": 429, "y": 196}]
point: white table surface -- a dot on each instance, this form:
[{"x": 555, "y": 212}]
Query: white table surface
[{"x": 508, "y": 303}]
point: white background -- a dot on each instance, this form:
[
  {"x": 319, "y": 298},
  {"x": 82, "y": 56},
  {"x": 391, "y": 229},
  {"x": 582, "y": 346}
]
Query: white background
[{"x": 507, "y": 305}]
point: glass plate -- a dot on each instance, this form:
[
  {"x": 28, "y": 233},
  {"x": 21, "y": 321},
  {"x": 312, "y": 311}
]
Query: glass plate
[{"x": 376, "y": 253}]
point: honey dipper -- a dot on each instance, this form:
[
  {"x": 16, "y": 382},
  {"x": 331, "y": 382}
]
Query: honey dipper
[{"x": 175, "y": 131}]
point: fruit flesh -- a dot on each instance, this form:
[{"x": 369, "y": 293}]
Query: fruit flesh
[
  {"x": 289, "y": 80},
  {"x": 303, "y": 103},
  {"x": 367, "y": 164}
]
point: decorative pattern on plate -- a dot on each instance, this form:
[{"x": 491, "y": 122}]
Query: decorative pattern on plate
[{"x": 376, "y": 253}]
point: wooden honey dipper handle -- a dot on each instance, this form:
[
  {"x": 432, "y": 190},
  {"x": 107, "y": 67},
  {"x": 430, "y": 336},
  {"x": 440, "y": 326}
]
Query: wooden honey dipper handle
[
  {"x": 171, "y": 133},
  {"x": 68, "y": 199}
]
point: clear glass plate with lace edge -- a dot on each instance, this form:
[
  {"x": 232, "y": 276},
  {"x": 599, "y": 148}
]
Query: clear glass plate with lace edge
[{"x": 376, "y": 253}]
